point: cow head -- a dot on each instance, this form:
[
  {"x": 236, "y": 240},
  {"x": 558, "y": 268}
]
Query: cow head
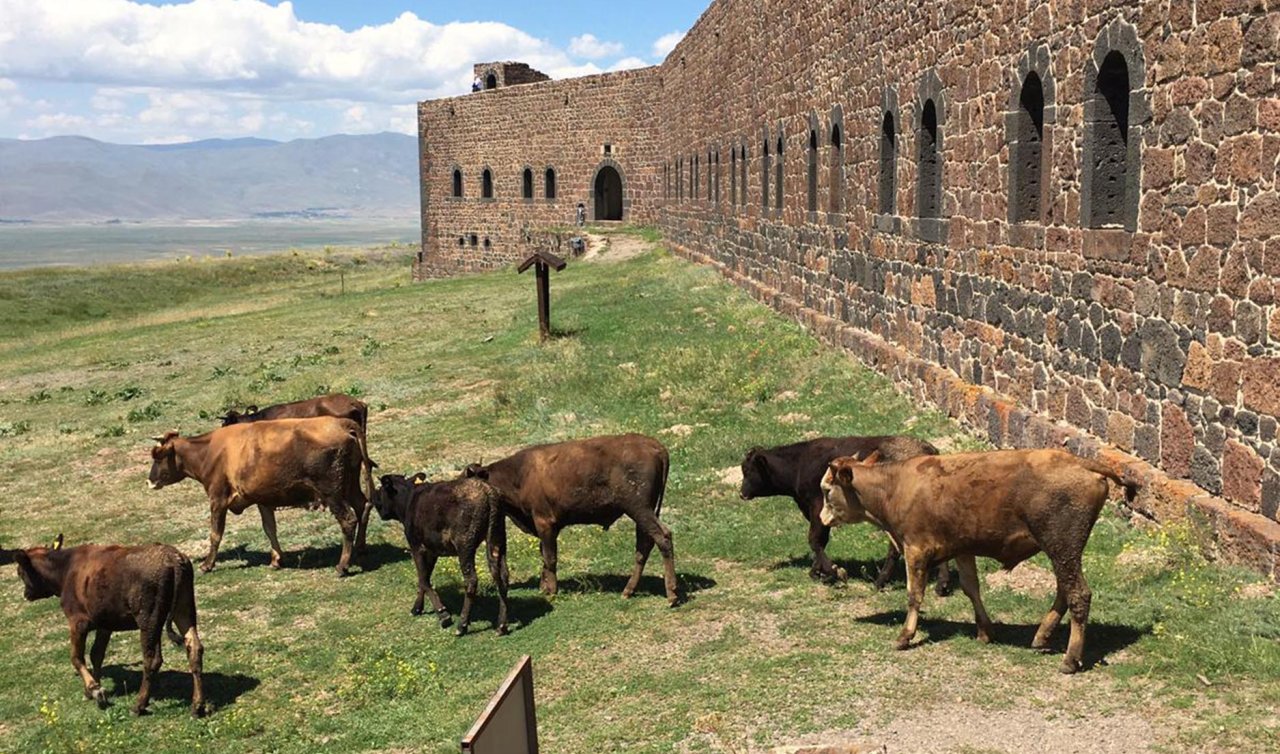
[
  {"x": 164, "y": 462},
  {"x": 235, "y": 417},
  {"x": 755, "y": 475},
  {"x": 841, "y": 504},
  {"x": 392, "y": 497},
  {"x": 36, "y": 572},
  {"x": 475, "y": 471}
]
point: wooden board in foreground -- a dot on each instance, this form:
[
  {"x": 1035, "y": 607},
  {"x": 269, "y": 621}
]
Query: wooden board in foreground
[{"x": 508, "y": 724}]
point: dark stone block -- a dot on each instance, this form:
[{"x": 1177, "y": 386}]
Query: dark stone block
[
  {"x": 1081, "y": 285},
  {"x": 1205, "y": 470},
  {"x": 1271, "y": 494},
  {"x": 1162, "y": 357},
  {"x": 1131, "y": 352},
  {"x": 1146, "y": 442},
  {"x": 1110, "y": 340},
  {"x": 1215, "y": 438},
  {"x": 1249, "y": 325},
  {"x": 1267, "y": 428}
]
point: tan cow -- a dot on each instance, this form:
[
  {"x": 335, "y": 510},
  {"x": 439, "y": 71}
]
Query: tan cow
[
  {"x": 1007, "y": 505},
  {"x": 272, "y": 464}
]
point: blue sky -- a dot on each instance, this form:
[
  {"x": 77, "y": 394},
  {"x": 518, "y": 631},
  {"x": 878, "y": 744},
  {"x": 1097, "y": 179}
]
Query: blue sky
[{"x": 147, "y": 71}]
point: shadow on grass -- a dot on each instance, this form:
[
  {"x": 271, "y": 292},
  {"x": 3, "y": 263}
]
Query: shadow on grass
[
  {"x": 375, "y": 556},
  {"x": 865, "y": 570},
  {"x": 687, "y": 584},
  {"x": 1101, "y": 639},
  {"x": 220, "y": 689},
  {"x": 521, "y": 611}
]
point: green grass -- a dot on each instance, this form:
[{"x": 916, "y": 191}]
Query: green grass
[{"x": 297, "y": 660}]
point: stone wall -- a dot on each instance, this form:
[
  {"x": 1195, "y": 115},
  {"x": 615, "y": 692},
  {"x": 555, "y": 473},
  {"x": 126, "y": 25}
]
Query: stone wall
[
  {"x": 1125, "y": 295},
  {"x": 575, "y": 128}
]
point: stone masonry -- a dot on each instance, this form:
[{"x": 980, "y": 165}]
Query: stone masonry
[{"x": 1057, "y": 221}]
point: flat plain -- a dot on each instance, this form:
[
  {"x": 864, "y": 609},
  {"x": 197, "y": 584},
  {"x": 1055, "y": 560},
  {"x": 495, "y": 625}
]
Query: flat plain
[{"x": 1183, "y": 654}]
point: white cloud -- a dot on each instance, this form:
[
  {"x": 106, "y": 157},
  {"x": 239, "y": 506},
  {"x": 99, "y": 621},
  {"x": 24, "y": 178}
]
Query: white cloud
[
  {"x": 59, "y": 123},
  {"x": 626, "y": 64},
  {"x": 664, "y": 44},
  {"x": 589, "y": 47}
]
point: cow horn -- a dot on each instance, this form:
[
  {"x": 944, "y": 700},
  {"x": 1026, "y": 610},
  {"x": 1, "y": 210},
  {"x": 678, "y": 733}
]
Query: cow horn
[{"x": 57, "y": 543}]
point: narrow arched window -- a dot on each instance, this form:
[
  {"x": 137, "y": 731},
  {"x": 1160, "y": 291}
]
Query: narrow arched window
[
  {"x": 813, "y": 170},
  {"x": 777, "y": 178},
  {"x": 680, "y": 179},
  {"x": 764, "y": 174},
  {"x": 930, "y": 161},
  {"x": 837, "y": 170},
  {"x": 1027, "y": 151},
  {"x": 711, "y": 174},
  {"x": 697, "y": 163},
  {"x": 717, "y": 177},
  {"x": 1108, "y": 133},
  {"x": 549, "y": 183},
  {"x": 888, "y": 165},
  {"x": 526, "y": 184},
  {"x": 457, "y": 183},
  {"x": 733, "y": 175},
  {"x": 742, "y": 166},
  {"x": 486, "y": 184}
]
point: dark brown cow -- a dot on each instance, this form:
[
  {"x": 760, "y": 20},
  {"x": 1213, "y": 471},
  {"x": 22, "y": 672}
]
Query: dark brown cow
[
  {"x": 278, "y": 463},
  {"x": 593, "y": 481},
  {"x": 449, "y": 518},
  {"x": 1006, "y": 504},
  {"x": 106, "y": 588},
  {"x": 339, "y": 405},
  {"x": 796, "y": 470}
]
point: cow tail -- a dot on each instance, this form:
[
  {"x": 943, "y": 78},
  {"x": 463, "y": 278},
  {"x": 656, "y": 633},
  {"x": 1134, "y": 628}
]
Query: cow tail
[
  {"x": 184, "y": 599},
  {"x": 496, "y": 536},
  {"x": 1130, "y": 487},
  {"x": 661, "y": 484}
]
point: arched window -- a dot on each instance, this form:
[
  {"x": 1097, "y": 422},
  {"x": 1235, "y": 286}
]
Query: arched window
[
  {"x": 777, "y": 178},
  {"x": 679, "y": 179},
  {"x": 549, "y": 184},
  {"x": 764, "y": 173},
  {"x": 930, "y": 164},
  {"x": 711, "y": 174},
  {"x": 716, "y": 175},
  {"x": 491, "y": 81},
  {"x": 486, "y": 184},
  {"x": 1109, "y": 136},
  {"x": 1027, "y": 151},
  {"x": 888, "y": 165},
  {"x": 526, "y": 184},
  {"x": 693, "y": 183},
  {"x": 813, "y": 170},
  {"x": 457, "y": 182},
  {"x": 666, "y": 180},
  {"x": 837, "y": 170},
  {"x": 742, "y": 166}
]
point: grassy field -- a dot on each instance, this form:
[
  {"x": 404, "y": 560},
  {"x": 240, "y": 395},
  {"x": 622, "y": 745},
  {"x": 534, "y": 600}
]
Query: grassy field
[{"x": 1182, "y": 655}]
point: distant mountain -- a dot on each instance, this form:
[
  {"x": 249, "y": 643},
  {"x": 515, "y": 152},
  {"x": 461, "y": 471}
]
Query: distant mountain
[{"x": 76, "y": 179}]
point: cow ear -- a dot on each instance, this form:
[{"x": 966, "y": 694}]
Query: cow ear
[
  {"x": 872, "y": 458},
  {"x": 22, "y": 559},
  {"x": 251, "y": 409},
  {"x": 57, "y": 542},
  {"x": 386, "y": 481},
  {"x": 420, "y": 477},
  {"x": 843, "y": 473}
]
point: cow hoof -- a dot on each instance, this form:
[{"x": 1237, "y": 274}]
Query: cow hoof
[
  {"x": 206, "y": 567},
  {"x": 673, "y": 600},
  {"x": 626, "y": 594},
  {"x": 342, "y": 572},
  {"x": 461, "y": 630},
  {"x": 503, "y": 630},
  {"x": 415, "y": 610},
  {"x": 198, "y": 712},
  {"x": 446, "y": 621},
  {"x": 100, "y": 697},
  {"x": 841, "y": 574},
  {"x": 984, "y": 637},
  {"x": 1068, "y": 667},
  {"x": 140, "y": 711},
  {"x": 275, "y": 565},
  {"x": 901, "y": 643},
  {"x": 942, "y": 590}
]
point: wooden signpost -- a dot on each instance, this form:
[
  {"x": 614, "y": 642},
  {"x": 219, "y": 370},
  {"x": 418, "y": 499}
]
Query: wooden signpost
[
  {"x": 508, "y": 724},
  {"x": 543, "y": 262}
]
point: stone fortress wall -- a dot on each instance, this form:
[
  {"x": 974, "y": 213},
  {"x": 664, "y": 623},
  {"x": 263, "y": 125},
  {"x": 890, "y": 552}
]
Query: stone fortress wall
[{"x": 1057, "y": 221}]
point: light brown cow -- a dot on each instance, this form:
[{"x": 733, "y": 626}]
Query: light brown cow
[
  {"x": 1007, "y": 505},
  {"x": 106, "y": 588},
  {"x": 273, "y": 464}
]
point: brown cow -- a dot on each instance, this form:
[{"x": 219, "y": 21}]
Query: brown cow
[
  {"x": 339, "y": 405},
  {"x": 796, "y": 470},
  {"x": 593, "y": 481},
  {"x": 1006, "y": 504},
  {"x": 278, "y": 463},
  {"x": 106, "y": 588}
]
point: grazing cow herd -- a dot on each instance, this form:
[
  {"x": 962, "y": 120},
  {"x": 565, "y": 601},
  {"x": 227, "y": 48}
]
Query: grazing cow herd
[{"x": 1006, "y": 505}]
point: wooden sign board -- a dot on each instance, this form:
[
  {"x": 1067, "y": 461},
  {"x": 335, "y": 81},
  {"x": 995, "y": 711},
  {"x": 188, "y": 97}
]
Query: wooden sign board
[{"x": 508, "y": 724}]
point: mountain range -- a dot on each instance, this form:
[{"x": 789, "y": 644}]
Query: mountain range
[{"x": 74, "y": 179}]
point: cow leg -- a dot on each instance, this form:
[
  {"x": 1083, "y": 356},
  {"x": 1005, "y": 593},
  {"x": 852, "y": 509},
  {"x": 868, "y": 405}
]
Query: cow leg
[
  {"x": 547, "y": 535},
  {"x": 644, "y": 546},
  {"x": 79, "y": 628},
  {"x": 497, "y": 557},
  {"x": 151, "y": 661},
  {"x": 269, "y": 526},
  {"x": 471, "y": 584},
  {"x": 363, "y": 527},
  {"x": 1078, "y": 599},
  {"x": 886, "y": 570},
  {"x": 98, "y": 651},
  {"x": 347, "y": 519},
  {"x": 184, "y": 617},
  {"x": 217, "y": 525},
  {"x": 667, "y": 547},
  {"x": 426, "y": 564},
  {"x": 1051, "y": 619},
  {"x": 917, "y": 576},
  {"x": 969, "y": 585},
  {"x": 942, "y": 585},
  {"x": 819, "y": 536}
]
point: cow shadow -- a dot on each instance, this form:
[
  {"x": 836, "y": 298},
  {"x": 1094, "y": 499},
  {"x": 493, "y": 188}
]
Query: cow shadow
[
  {"x": 612, "y": 583},
  {"x": 220, "y": 689},
  {"x": 858, "y": 570},
  {"x": 375, "y": 555},
  {"x": 521, "y": 611},
  {"x": 1103, "y": 638}
]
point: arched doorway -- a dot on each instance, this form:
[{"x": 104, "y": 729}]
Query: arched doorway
[{"x": 608, "y": 194}]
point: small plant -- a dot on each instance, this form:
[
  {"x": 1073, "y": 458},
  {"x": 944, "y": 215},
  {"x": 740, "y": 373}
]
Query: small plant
[
  {"x": 151, "y": 412},
  {"x": 96, "y": 397},
  {"x": 39, "y": 397},
  {"x": 112, "y": 431},
  {"x": 15, "y": 429},
  {"x": 370, "y": 347},
  {"x": 129, "y": 392}
]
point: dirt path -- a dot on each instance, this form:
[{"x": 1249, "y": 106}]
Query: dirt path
[{"x": 613, "y": 248}]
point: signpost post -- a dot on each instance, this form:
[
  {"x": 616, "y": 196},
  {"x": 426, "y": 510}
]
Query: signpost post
[{"x": 543, "y": 262}]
